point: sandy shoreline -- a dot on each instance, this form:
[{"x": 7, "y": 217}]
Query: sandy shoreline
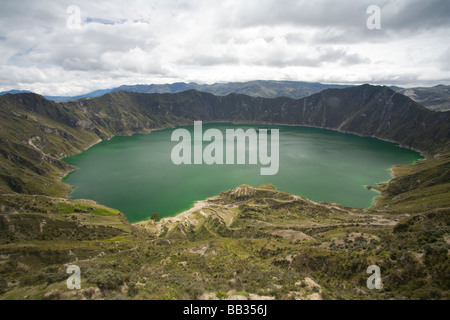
[
  {"x": 185, "y": 214},
  {"x": 182, "y": 216}
]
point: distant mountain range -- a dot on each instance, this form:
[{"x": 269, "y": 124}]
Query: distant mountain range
[
  {"x": 14, "y": 92},
  {"x": 435, "y": 98},
  {"x": 264, "y": 89}
]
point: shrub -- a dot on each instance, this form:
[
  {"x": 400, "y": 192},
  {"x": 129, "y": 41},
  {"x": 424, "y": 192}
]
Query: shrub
[
  {"x": 108, "y": 280},
  {"x": 222, "y": 295}
]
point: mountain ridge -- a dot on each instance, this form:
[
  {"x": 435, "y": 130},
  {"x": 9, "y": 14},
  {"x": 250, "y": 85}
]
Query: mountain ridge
[
  {"x": 69, "y": 127},
  {"x": 435, "y": 98},
  {"x": 259, "y": 88}
]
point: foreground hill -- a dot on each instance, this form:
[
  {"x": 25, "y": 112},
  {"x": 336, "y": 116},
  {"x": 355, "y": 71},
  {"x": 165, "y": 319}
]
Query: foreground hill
[{"x": 248, "y": 242}]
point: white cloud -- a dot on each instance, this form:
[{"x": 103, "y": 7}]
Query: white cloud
[{"x": 213, "y": 41}]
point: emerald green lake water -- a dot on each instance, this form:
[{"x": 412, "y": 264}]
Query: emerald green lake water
[{"x": 135, "y": 174}]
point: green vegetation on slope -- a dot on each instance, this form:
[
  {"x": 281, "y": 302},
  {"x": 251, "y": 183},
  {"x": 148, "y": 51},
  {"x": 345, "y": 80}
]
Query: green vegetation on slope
[
  {"x": 247, "y": 241},
  {"x": 418, "y": 188}
]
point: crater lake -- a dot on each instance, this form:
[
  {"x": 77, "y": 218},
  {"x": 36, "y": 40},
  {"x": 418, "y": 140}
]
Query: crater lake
[{"x": 135, "y": 174}]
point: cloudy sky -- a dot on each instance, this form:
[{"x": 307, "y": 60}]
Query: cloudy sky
[{"x": 74, "y": 47}]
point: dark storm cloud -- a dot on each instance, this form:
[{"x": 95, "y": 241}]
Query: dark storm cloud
[
  {"x": 345, "y": 20},
  {"x": 398, "y": 15},
  {"x": 417, "y": 15}
]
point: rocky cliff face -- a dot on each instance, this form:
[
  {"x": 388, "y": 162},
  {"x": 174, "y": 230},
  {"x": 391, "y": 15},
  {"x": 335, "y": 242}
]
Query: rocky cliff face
[
  {"x": 36, "y": 132},
  {"x": 364, "y": 110}
]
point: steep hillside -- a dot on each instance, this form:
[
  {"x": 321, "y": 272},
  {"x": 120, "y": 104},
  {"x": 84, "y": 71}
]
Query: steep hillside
[
  {"x": 418, "y": 188},
  {"x": 365, "y": 110},
  {"x": 37, "y": 132}
]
